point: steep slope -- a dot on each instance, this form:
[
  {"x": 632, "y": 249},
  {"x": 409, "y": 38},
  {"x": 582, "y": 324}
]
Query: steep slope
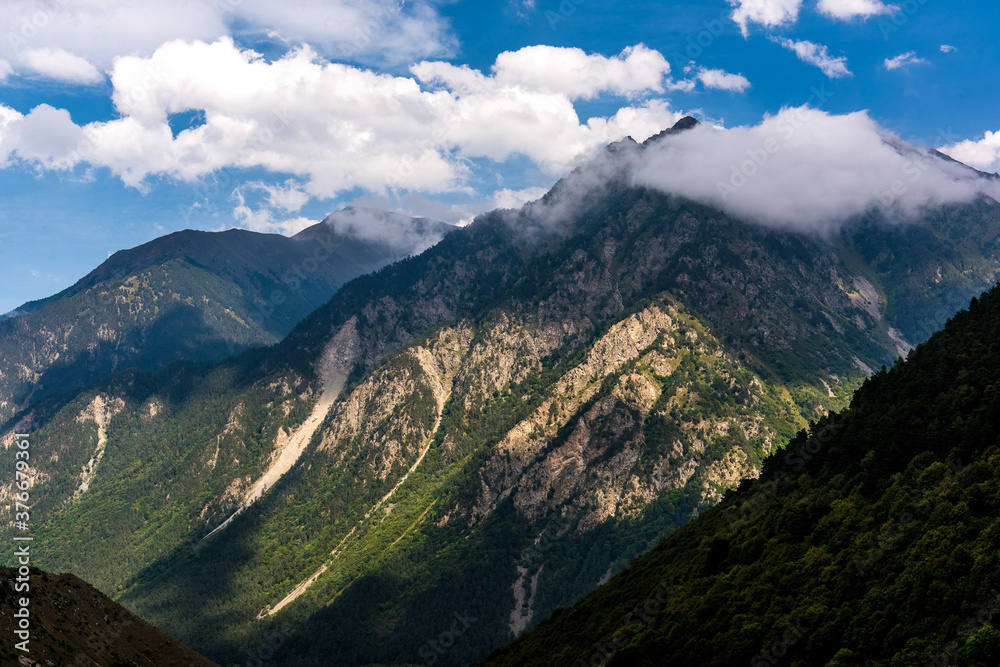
[
  {"x": 530, "y": 404},
  {"x": 872, "y": 539},
  {"x": 192, "y": 295},
  {"x": 72, "y": 623}
]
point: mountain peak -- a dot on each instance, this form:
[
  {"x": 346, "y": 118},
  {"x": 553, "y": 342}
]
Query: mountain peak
[{"x": 685, "y": 123}]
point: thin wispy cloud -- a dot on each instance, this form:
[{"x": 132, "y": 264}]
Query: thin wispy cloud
[
  {"x": 817, "y": 55},
  {"x": 722, "y": 80},
  {"x": 60, "y": 65},
  {"x": 373, "y": 31},
  {"x": 903, "y": 60}
]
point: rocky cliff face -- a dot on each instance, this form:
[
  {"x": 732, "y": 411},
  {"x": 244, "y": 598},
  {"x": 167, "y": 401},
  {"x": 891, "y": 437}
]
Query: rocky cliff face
[{"x": 870, "y": 540}]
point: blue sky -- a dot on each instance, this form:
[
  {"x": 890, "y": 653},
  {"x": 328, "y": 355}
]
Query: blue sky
[{"x": 123, "y": 120}]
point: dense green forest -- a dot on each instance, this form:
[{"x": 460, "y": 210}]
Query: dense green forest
[{"x": 872, "y": 539}]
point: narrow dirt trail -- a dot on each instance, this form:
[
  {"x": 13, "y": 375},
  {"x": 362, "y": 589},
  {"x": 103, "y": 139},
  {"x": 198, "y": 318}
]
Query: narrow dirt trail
[{"x": 304, "y": 585}]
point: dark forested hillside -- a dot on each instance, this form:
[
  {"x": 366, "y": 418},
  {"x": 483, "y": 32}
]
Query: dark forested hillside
[{"x": 872, "y": 539}]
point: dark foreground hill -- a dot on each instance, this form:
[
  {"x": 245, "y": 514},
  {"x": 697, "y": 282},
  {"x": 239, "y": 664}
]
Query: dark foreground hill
[
  {"x": 73, "y": 624},
  {"x": 873, "y": 539}
]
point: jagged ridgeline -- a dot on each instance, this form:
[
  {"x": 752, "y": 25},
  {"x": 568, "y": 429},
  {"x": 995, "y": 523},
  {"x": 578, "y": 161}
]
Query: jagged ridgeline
[
  {"x": 461, "y": 443},
  {"x": 873, "y": 539}
]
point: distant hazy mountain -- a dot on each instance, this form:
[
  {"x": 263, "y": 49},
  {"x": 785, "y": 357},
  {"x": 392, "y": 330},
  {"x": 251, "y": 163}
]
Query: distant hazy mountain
[
  {"x": 72, "y": 623},
  {"x": 871, "y": 540},
  {"x": 193, "y": 295},
  {"x": 456, "y": 445}
]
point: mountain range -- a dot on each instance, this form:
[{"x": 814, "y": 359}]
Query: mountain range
[
  {"x": 460, "y": 443},
  {"x": 192, "y": 295}
]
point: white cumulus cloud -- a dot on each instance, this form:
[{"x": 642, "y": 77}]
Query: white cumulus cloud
[
  {"x": 818, "y": 55},
  {"x": 722, "y": 80},
  {"x": 768, "y": 13},
  {"x": 10, "y": 120},
  {"x": 578, "y": 75},
  {"x": 849, "y": 9},
  {"x": 982, "y": 153},
  {"x": 947, "y": 48},
  {"x": 335, "y": 127},
  {"x": 263, "y": 218}
]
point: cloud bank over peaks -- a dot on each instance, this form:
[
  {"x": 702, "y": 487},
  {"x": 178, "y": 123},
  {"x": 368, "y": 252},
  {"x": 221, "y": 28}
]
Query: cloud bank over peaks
[{"x": 805, "y": 169}]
